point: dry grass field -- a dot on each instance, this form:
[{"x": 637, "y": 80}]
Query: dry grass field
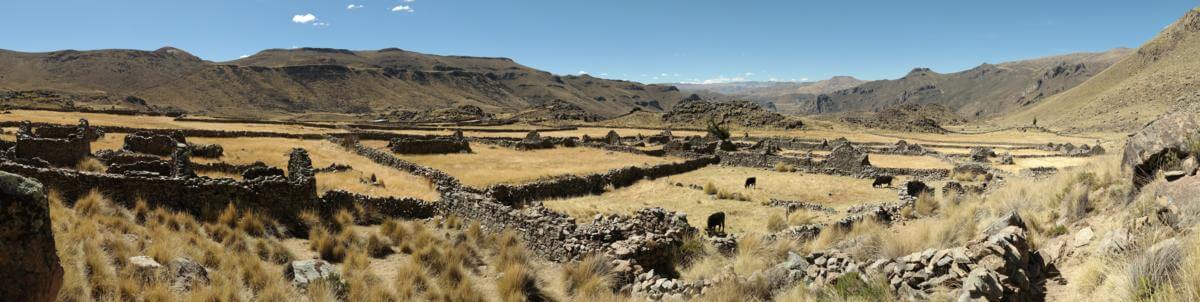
[
  {"x": 743, "y": 216},
  {"x": 274, "y": 152},
  {"x": 155, "y": 122},
  {"x": 1054, "y": 162},
  {"x": 908, "y": 161},
  {"x": 493, "y": 165}
]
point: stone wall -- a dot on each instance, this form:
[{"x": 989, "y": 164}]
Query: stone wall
[
  {"x": 438, "y": 145},
  {"x": 203, "y": 197},
  {"x": 154, "y": 143},
  {"x": 378, "y": 209},
  {"x": 573, "y": 185},
  {"x": 67, "y": 151}
]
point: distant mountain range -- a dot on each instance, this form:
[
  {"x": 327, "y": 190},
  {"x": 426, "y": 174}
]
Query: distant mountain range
[
  {"x": 290, "y": 81},
  {"x": 986, "y": 90}
]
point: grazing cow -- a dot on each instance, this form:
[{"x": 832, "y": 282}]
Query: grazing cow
[
  {"x": 752, "y": 182},
  {"x": 716, "y": 224},
  {"x": 884, "y": 181}
]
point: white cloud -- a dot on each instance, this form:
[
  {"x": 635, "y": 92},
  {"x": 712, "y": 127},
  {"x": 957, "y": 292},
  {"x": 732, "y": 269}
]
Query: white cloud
[
  {"x": 354, "y": 6},
  {"x": 244, "y": 56},
  {"x": 804, "y": 79},
  {"x": 305, "y": 18},
  {"x": 582, "y": 72},
  {"x": 320, "y": 24},
  {"x": 410, "y": 1},
  {"x": 402, "y": 8},
  {"x": 603, "y": 74},
  {"x": 748, "y": 74},
  {"x": 717, "y": 80}
]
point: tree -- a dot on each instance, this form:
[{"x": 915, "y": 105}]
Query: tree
[{"x": 717, "y": 131}]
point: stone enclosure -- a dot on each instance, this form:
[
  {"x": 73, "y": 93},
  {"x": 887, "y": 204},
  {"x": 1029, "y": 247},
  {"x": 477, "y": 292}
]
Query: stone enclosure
[{"x": 156, "y": 166}]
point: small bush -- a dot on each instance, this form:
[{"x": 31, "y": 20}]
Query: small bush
[
  {"x": 776, "y": 223},
  {"x": 710, "y": 189},
  {"x": 927, "y": 205},
  {"x": 800, "y": 218},
  {"x": 91, "y": 164},
  {"x": 591, "y": 277},
  {"x": 783, "y": 167}
]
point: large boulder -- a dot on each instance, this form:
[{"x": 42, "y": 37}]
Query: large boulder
[
  {"x": 31, "y": 269},
  {"x": 1164, "y": 142},
  {"x": 304, "y": 272}
]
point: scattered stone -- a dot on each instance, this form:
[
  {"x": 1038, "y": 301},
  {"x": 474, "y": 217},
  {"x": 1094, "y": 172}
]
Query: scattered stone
[{"x": 304, "y": 272}]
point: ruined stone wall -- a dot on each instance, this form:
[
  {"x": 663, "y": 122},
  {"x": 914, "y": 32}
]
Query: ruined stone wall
[
  {"x": 649, "y": 237},
  {"x": 153, "y": 143},
  {"x": 199, "y": 196},
  {"x": 56, "y": 151},
  {"x": 378, "y": 209},
  {"x": 437, "y": 145},
  {"x": 572, "y": 185},
  {"x": 443, "y": 181}
]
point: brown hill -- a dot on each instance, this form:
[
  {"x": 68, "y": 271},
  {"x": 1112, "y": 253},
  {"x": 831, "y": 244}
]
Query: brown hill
[
  {"x": 321, "y": 80},
  {"x": 1159, "y": 76},
  {"x": 788, "y": 97},
  {"x": 986, "y": 90}
]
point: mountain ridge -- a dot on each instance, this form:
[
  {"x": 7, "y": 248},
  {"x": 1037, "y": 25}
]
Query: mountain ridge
[{"x": 283, "y": 81}]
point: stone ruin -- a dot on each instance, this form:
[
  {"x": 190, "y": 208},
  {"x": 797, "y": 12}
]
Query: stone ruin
[
  {"x": 182, "y": 190},
  {"x": 31, "y": 266},
  {"x": 981, "y": 154},
  {"x": 160, "y": 144},
  {"x": 846, "y": 158},
  {"x": 902, "y": 147},
  {"x": 429, "y": 145},
  {"x": 998, "y": 265},
  {"x": 533, "y": 141},
  {"x": 612, "y": 138},
  {"x": 153, "y": 143},
  {"x": 55, "y": 147},
  {"x": 61, "y": 131}
]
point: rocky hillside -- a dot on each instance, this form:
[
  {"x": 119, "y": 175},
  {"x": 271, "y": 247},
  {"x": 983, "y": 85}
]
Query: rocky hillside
[
  {"x": 923, "y": 118},
  {"x": 321, "y": 80},
  {"x": 742, "y": 114},
  {"x": 1159, "y": 76},
  {"x": 788, "y": 97},
  {"x": 986, "y": 90}
]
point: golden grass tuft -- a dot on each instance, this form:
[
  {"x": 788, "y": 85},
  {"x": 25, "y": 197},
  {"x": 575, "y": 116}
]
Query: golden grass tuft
[
  {"x": 91, "y": 164},
  {"x": 590, "y": 278}
]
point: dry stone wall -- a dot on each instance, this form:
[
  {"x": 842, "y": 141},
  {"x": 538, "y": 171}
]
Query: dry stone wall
[
  {"x": 60, "y": 150},
  {"x": 572, "y": 185},
  {"x": 199, "y": 196},
  {"x": 437, "y": 145}
]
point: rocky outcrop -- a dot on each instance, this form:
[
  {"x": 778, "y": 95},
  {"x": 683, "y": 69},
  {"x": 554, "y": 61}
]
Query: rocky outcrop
[
  {"x": 31, "y": 269},
  {"x": 740, "y": 113},
  {"x": 1161, "y": 146},
  {"x": 304, "y": 272}
]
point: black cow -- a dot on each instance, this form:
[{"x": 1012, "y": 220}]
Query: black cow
[
  {"x": 716, "y": 224},
  {"x": 884, "y": 181},
  {"x": 752, "y": 182}
]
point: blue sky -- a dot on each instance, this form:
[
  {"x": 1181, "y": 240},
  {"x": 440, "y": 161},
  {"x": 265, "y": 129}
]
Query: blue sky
[{"x": 642, "y": 40}]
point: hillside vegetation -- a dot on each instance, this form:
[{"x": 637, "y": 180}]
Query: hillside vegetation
[{"x": 1157, "y": 77}]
